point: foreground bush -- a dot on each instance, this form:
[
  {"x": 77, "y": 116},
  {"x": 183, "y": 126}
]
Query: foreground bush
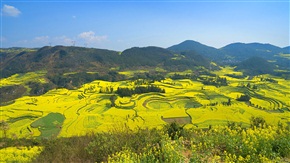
[
  {"x": 218, "y": 144},
  {"x": 260, "y": 143},
  {"x": 241, "y": 145},
  {"x": 19, "y": 154}
]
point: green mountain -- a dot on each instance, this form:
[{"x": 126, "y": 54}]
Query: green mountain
[
  {"x": 62, "y": 59},
  {"x": 156, "y": 56},
  {"x": 57, "y": 59},
  {"x": 255, "y": 66},
  {"x": 235, "y": 53},
  {"x": 242, "y": 51},
  {"x": 186, "y": 55},
  {"x": 286, "y": 50},
  {"x": 197, "y": 48},
  {"x": 146, "y": 56},
  {"x": 68, "y": 66}
]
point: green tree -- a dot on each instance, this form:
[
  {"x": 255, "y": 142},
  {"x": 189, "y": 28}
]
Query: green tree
[
  {"x": 4, "y": 128},
  {"x": 258, "y": 122},
  {"x": 113, "y": 99}
]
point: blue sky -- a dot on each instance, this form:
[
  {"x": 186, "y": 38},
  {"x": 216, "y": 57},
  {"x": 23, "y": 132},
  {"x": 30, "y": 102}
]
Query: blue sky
[{"x": 118, "y": 25}]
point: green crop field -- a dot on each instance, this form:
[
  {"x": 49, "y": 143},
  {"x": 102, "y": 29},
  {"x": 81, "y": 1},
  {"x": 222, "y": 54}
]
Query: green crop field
[{"x": 65, "y": 113}]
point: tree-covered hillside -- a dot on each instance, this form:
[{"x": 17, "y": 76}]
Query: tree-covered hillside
[
  {"x": 255, "y": 66},
  {"x": 235, "y": 52},
  {"x": 197, "y": 48},
  {"x": 61, "y": 59}
]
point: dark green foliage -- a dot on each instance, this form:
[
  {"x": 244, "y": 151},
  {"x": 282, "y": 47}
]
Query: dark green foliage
[
  {"x": 9, "y": 93},
  {"x": 123, "y": 92},
  {"x": 235, "y": 76},
  {"x": 105, "y": 144},
  {"x": 62, "y": 54},
  {"x": 269, "y": 80},
  {"x": 96, "y": 147},
  {"x": 281, "y": 145},
  {"x": 235, "y": 53},
  {"x": 234, "y": 125},
  {"x": 76, "y": 80},
  {"x": 201, "y": 144},
  {"x": 15, "y": 66},
  {"x": 65, "y": 150},
  {"x": 149, "y": 77},
  {"x": 61, "y": 59},
  {"x": 245, "y": 98},
  {"x": 258, "y": 122},
  {"x": 179, "y": 65},
  {"x": 179, "y": 76},
  {"x": 217, "y": 81},
  {"x": 174, "y": 130},
  {"x": 229, "y": 103},
  {"x": 147, "y": 56},
  {"x": 113, "y": 99},
  {"x": 31, "y": 117},
  {"x": 286, "y": 50},
  {"x": 255, "y": 66},
  {"x": 4, "y": 127},
  {"x": 40, "y": 88},
  {"x": 242, "y": 51},
  {"x": 191, "y": 47}
]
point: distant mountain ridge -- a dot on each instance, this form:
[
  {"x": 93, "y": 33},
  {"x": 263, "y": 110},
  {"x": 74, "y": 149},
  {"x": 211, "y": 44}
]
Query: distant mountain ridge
[
  {"x": 255, "y": 66},
  {"x": 235, "y": 52},
  {"x": 186, "y": 55},
  {"x": 286, "y": 50},
  {"x": 196, "y": 47},
  {"x": 242, "y": 51},
  {"x": 62, "y": 59}
]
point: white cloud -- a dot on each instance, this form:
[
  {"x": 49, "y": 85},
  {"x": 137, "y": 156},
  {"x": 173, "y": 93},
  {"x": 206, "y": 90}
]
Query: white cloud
[
  {"x": 10, "y": 11},
  {"x": 83, "y": 39},
  {"x": 90, "y": 37},
  {"x": 41, "y": 39},
  {"x": 22, "y": 43},
  {"x": 62, "y": 40}
]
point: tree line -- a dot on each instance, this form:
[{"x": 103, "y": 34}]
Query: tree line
[{"x": 127, "y": 92}]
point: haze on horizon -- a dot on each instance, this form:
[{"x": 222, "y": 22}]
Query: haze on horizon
[{"x": 118, "y": 25}]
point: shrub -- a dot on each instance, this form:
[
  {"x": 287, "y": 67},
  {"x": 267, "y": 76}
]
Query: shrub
[
  {"x": 244, "y": 98},
  {"x": 174, "y": 130},
  {"x": 257, "y": 122}
]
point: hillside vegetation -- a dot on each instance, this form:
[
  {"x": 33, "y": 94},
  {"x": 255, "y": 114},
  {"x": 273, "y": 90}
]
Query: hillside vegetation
[
  {"x": 72, "y": 104},
  {"x": 255, "y": 66},
  {"x": 172, "y": 143},
  {"x": 60, "y": 59},
  {"x": 236, "y": 52}
]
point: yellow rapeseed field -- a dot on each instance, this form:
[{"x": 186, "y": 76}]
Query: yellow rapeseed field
[{"x": 89, "y": 108}]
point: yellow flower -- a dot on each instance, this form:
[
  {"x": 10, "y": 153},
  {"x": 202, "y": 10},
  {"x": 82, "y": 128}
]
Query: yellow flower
[{"x": 241, "y": 158}]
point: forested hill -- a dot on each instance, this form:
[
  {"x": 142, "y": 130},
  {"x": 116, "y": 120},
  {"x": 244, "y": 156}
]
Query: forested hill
[
  {"x": 58, "y": 58},
  {"x": 147, "y": 56},
  {"x": 198, "y": 48},
  {"x": 62, "y": 59},
  {"x": 236, "y": 52},
  {"x": 286, "y": 50},
  {"x": 242, "y": 51},
  {"x": 255, "y": 66},
  {"x": 186, "y": 55}
]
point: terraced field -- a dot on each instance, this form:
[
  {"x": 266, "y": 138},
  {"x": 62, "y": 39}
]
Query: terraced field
[{"x": 62, "y": 112}]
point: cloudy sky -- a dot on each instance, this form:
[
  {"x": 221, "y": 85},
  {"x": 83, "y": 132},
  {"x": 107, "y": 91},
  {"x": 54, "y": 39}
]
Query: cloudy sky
[{"x": 118, "y": 25}]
